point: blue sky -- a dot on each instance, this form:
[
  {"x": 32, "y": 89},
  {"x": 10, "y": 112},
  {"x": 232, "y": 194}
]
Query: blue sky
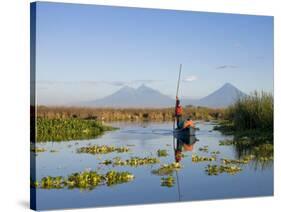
[{"x": 85, "y": 52}]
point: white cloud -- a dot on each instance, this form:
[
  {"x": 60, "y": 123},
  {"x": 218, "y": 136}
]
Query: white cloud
[{"x": 190, "y": 78}]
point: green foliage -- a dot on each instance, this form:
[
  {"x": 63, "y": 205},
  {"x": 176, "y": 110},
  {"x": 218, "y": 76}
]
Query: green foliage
[
  {"x": 168, "y": 181},
  {"x": 215, "y": 169},
  {"x": 204, "y": 149},
  {"x": 167, "y": 169},
  {"x": 252, "y": 112},
  {"x": 244, "y": 160},
  {"x": 197, "y": 159},
  {"x": 37, "y": 149},
  {"x": 162, "y": 153},
  {"x": 68, "y": 129},
  {"x": 103, "y": 149},
  {"x": 113, "y": 177},
  {"x": 84, "y": 180},
  {"x": 133, "y": 161}
]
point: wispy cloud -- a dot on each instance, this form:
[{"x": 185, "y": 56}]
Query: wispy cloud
[
  {"x": 226, "y": 67},
  {"x": 190, "y": 78},
  {"x": 92, "y": 82}
]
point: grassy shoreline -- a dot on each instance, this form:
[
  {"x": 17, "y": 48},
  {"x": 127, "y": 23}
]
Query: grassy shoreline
[
  {"x": 251, "y": 117},
  {"x": 68, "y": 129},
  {"x": 250, "y": 121},
  {"x": 128, "y": 114}
]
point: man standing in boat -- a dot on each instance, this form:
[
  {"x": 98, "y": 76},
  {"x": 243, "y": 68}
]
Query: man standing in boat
[{"x": 178, "y": 112}]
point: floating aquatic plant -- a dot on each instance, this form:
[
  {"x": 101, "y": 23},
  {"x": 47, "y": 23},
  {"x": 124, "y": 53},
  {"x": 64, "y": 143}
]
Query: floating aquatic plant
[
  {"x": 84, "y": 180},
  {"x": 244, "y": 160},
  {"x": 234, "y": 142},
  {"x": 167, "y": 169},
  {"x": 197, "y": 158},
  {"x": 215, "y": 152},
  {"x": 96, "y": 149},
  {"x": 52, "y": 182},
  {"x": 162, "y": 153},
  {"x": 168, "y": 181},
  {"x": 215, "y": 169},
  {"x": 37, "y": 149},
  {"x": 204, "y": 149},
  {"x": 130, "y": 145},
  {"x": 114, "y": 177},
  {"x": 68, "y": 129},
  {"x": 133, "y": 161}
]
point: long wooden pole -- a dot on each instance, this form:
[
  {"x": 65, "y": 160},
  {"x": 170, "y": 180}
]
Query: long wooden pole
[
  {"x": 178, "y": 85},
  {"x": 179, "y": 81},
  {"x": 178, "y": 185}
]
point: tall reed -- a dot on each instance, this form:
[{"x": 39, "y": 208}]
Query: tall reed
[{"x": 253, "y": 111}]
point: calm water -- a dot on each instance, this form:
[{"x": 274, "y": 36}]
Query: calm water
[{"x": 192, "y": 183}]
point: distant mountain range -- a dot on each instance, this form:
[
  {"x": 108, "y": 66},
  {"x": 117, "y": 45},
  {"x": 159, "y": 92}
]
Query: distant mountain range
[
  {"x": 130, "y": 97},
  {"x": 145, "y": 96}
]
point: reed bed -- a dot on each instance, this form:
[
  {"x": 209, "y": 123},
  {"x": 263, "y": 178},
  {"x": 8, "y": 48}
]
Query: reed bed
[
  {"x": 252, "y": 112},
  {"x": 128, "y": 114}
]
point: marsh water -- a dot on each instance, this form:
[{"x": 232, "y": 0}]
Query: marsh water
[{"x": 144, "y": 139}]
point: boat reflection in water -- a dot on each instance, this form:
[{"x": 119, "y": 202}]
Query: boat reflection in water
[{"x": 183, "y": 145}]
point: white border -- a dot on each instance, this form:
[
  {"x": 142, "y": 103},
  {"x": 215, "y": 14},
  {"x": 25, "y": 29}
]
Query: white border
[{"x": 14, "y": 88}]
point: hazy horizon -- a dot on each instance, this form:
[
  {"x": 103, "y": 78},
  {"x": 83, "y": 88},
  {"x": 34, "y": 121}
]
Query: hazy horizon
[{"x": 86, "y": 52}]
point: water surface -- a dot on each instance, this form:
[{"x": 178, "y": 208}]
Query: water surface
[{"x": 192, "y": 183}]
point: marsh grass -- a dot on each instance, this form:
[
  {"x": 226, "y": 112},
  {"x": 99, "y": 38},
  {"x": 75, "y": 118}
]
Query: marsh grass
[
  {"x": 128, "y": 114},
  {"x": 252, "y": 112}
]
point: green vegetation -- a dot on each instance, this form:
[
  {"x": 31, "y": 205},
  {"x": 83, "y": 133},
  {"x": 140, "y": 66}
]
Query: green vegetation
[
  {"x": 167, "y": 169},
  {"x": 162, "y": 153},
  {"x": 251, "y": 116},
  {"x": 84, "y": 180},
  {"x": 250, "y": 120},
  {"x": 244, "y": 160},
  {"x": 103, "y": 149},
  {"x": 133, "y": 161},
  {"x": 214, "y": 153},
  {"x": 215, "y": 169},
  {"x": 168, "y": 181},
  {"x": 204, "y": 149},
  {"x": 37, "y": 149},
  {"x": 68, "y": 129},
  {"x": 197, "y": 159},
  {"x": 252, "y": 112},
  {"x": 128, "y": 114},
  {"x": 234, "y": 142}
]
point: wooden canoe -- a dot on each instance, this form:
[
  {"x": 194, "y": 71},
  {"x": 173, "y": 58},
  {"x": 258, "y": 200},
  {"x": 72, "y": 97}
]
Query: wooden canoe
[{"x": 184, "y": 133}]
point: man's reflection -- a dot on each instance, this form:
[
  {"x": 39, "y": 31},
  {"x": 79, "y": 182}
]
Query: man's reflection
[{"x": 184, "y": 145}]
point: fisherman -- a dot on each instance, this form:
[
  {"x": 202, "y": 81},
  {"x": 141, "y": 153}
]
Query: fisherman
[{"x": 178, "y": 112}]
